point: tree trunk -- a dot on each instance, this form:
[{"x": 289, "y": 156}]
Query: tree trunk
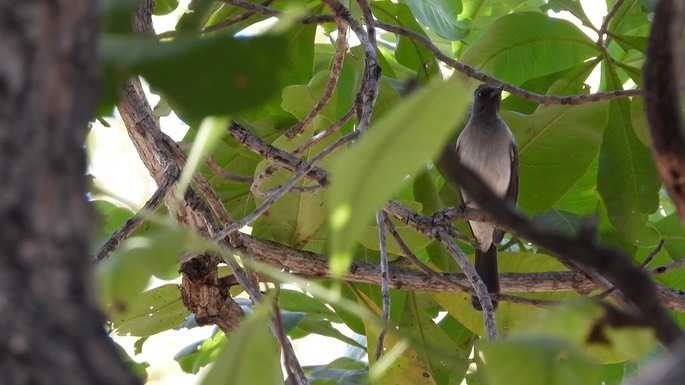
[{"x": 51, "y": 330}]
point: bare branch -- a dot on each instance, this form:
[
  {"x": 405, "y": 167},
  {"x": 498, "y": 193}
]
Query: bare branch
[
  {"x": 605, "y": 24},
  {"x": 257, "y": 145},
  {"x": 170, "y": 177},
  {"x": 368, "y": 92},
  {"x": 338, "y": 59},
  {"x": 234, "y": 20}
]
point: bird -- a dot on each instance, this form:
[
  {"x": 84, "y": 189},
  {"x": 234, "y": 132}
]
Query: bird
[{"x": 488, "y": 148}]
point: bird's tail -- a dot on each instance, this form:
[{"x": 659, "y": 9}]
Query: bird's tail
[{"x": 486, "y": 267}]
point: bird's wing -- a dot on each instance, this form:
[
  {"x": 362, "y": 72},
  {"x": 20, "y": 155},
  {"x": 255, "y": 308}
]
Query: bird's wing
[{"x": 512, "y": 194}]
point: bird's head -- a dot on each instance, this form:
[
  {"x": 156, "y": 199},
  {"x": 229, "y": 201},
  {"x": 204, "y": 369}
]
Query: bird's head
[{"x": 486, "y": 99}]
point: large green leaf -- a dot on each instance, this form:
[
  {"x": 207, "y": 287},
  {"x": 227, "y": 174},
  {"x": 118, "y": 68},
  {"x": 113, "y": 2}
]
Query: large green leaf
[
  {"x": 214, "y": 82},
  {"x": 199, "y": 354},
  {"x": 440, "y": 16},
  {"x": 526, "y": 45},
  {"x": 524, "y": 361},
  {"x": 583, "y": 324},
  {"x": 556, "y": 146},
  {"x": 671, "y": 230},
  {"x": 296, "y": 217},
  {"x": 397, "y": 145},
  {"x": 251, "y": 356},
  {"x": 582, "y": 198},
  {"x": 443, "y": 357},
  {"x": 509, "y": 315},
  {"x": 627, "y": 180},
  {"x": 409, "y": 53},
  {"x": 154, "y": 311},
  {"x": 478, "y": 15}
]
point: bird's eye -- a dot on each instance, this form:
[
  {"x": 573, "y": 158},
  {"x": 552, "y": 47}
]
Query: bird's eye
[{"x": 481, "y": 94}]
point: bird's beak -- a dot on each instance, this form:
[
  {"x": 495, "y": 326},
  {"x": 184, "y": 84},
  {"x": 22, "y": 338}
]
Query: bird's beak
[{"x": 500, "y": 88}]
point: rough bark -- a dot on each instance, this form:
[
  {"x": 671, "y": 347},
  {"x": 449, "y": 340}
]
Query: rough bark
[
  {"x": 52, "y": 331},
  {"x": 663, "y": 77}
]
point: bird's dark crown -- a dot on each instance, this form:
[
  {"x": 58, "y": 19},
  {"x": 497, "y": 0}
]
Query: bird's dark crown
[
  {"x": 486, "y": 91},
  {"x": 487, "y": 99}
]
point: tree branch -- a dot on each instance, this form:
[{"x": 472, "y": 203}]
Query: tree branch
[
  {"x": 315, "y": 266},
  {"x": 609, "y": 263},
  {"x": 662, "y": 76},
  {"x": 170, "y": 177}
]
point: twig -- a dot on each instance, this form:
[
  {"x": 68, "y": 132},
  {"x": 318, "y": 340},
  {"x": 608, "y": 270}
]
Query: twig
[
  {"x": 667, "y": 268},
  {"x": 216, "y": 169},
  {"x": 485, "y": 78},
  {"x": 605, "y": 24},
  {"x": 644, "y": 264},
  {"x": 475, "y": 280},
  {"x": 368, "y": 20},
  {"x": 411, "y": 257},
  {"x": 170, "y": 177},
  {"x": 325, "y": 133},
  {"x": 267, "y": 151},
  {"x": 368, "y": 92},
  {"x": 463, "y": 68},
  {"x": 271, "y": 169},
  {"x": 385, "y": 285},
  {"x": 528, "y": 301},
  {"x": 234, "y": 19},
  {"x": 336, "y": 68},
  {"x": 282, "y": 339},
  {"x": 299, "y": 174},
  {"x": 653, "y": 254}
]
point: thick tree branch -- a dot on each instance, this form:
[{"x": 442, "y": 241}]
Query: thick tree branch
[
  {"x": 315, "y": 266},
  {"x": 663, "y": 74},
  {"x": 457, "y": 65}
]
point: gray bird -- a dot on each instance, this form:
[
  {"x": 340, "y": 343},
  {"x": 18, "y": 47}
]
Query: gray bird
[{"x": 487, "y": 147}]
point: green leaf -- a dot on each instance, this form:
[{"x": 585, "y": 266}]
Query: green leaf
[
  {"x": 126, "y": 273},
  {"x": 440, "y": 16},
  {"x": 444, "y": 359},
  {"x": 155, "y": 311},
  {"x": 478, "y": 15},
  {"x": 524, "y": 361},
  {"x": 199, "y": 354},
  {"x": 313, "y": 324},
  {"x": 194, "y": 20},
  {"x": 296, "y": 217},
  {"x": 214, "y": 82},
  {"x": 396, "y": 145},
  {"x": 164, "y": 7},
  {"x": 408, "y": 52},
  {"x": 509, "y": 314},
  {"x": 251, "y": 356},
  {"x": 547, "y": 141},
  {"x": 583, "y": 324},
  {"x": 572, "y": 6},
  {"x": 582, "y": 198},
  {"x": 507, "y": 48},
  {"x": 298, "y": 301},
  {"x": 560, "y": 221},
  {"x": 627, "y": 180},
  {"x": 672, "y": 231}
]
